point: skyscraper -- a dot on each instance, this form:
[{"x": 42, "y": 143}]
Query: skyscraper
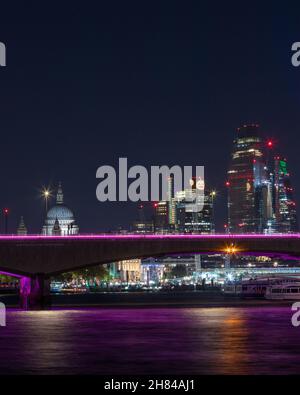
[
  {"x": 143, "y": 224},
  {"x": 161, "y": 217},
  {"x": 171, "y": 202},
  {"x": 190, "y": 220},
  {"x": 260, "y": 196},
  {"x": 246, "y": 176},
  {"x": 284, "y": 203}
]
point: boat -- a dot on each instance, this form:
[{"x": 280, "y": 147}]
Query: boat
[
  {"x": 286, "y": 291},
  {"x": 257, "y": 287},
  {"x": 246, "y": 289}
]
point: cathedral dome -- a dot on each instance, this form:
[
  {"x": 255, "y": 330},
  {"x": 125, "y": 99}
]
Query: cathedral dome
[
  {"x": 60, "y": 219},
  {"x": 61, "y": 212}
]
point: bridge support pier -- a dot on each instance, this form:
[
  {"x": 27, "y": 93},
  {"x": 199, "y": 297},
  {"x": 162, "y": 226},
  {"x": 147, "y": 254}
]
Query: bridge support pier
[{"x": 35, "y": 292}]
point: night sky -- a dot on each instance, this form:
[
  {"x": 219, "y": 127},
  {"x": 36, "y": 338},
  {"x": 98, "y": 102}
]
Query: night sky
[{"x": 158, "y": 82}]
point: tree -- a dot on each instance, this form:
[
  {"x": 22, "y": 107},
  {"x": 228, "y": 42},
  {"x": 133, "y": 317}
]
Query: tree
[{"x": 98, "y": 272}]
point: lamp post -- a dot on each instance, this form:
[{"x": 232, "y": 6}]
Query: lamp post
[
  {"x": 46, "y": 194},
  {"x": 6, "y": 213},
  {"x": 213, "y": 195}
]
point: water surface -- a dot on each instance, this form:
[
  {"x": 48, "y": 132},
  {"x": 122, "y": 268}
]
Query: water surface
[{"x": 239, "y": 340}]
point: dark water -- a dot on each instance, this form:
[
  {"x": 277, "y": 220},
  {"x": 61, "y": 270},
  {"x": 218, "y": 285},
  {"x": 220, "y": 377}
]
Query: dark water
[{"x": 240, "y": 340}]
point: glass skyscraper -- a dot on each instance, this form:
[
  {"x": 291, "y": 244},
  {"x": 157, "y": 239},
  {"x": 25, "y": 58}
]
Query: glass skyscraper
[
  {"x": 260, "y": 195},
  {"x": 284, "y": 203},
  {"x": 246, "y": 175}
]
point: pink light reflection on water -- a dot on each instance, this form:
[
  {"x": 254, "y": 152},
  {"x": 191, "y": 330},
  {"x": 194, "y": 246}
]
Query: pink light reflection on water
[{"x": 239, "y": 340}]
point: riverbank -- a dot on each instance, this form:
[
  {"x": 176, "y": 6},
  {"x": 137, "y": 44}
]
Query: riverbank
[{"x": 151, "y": 299}]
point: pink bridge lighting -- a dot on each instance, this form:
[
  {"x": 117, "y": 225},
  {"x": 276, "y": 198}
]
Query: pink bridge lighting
[{"x": 156, "y": 236}]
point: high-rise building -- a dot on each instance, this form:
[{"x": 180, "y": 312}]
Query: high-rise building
[
  {"x": 143, "y": 225},
  {"x": 246, "y": 176},
  {"x": 260, "y": 196},
  {"x": 284, "y": 203},
  {"x": 189, "y": 219},
  {"x": 171, "y": 202},
  {"x": 161, "y": 217}
]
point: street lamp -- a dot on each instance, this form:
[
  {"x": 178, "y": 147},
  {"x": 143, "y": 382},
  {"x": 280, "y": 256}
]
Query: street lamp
[
  {"x": 213, "y": 194},
  {"x": 46, "y": 194},
  {"x": 6, "y": 213}
]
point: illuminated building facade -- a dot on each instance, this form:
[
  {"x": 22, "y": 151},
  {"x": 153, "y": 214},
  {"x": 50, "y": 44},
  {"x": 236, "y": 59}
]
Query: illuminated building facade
[
  {"x": 161, "y": 217},
  {"x": 60, "y": 219},
  {"x": 260, "y": 196},
  {"x": 189, "y": 219},
  {"x": 171, "y": 203},
  {"x": 129, "y": 270},
  {"x": 152, "y": 271},
  {"x": 143, "y": 225},
  {"x": 284, "y": 203},
  {"x": 247, "y": 177}
]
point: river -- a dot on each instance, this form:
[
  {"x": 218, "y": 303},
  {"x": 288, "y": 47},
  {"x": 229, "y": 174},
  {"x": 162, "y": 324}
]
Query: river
[{"x": 234, "y": 340}]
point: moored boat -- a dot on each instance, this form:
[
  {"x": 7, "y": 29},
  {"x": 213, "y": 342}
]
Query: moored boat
[{"x": 287, "y": 291}]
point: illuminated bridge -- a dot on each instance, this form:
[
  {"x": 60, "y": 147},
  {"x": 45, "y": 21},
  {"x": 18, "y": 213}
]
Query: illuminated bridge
[{"x": 36, "y": 258}]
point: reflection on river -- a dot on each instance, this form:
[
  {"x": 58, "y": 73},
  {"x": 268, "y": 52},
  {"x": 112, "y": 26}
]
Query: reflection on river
[{"x": 240, "y": 340}]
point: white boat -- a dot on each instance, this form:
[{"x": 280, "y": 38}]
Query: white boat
[
  {"x": 257, "y": 288},
  {"x": 287, "y": 291}
]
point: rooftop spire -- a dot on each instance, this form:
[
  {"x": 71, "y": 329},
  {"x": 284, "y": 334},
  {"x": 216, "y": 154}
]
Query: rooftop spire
[
  {"x": 22, "y": 230},
  {"x": 56, "y": 231},
  {"x": 59, "y": 195}
]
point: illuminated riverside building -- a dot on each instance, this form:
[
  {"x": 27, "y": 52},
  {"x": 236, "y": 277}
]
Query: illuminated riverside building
[
  {"x": 60, "y": 219},
  {"x": 152, "y": 271},
  {"x": 129, "y": 270}
]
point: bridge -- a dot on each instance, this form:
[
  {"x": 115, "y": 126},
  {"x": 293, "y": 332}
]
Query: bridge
[{"x": 34, "y": 259}]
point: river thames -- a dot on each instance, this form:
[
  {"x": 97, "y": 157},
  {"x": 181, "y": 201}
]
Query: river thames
[{"x": 111, "y": 341}]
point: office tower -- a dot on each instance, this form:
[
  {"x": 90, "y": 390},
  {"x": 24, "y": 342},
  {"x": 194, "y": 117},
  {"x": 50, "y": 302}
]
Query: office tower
[
  {"x": 171, "y": 203},
  {"x": 247, "y": 176},
  {"x": 189, "y": 220},
  {"x": 143, "y": 225},
  {"x": 161, "y": 217},
  {"x": 284, "y": 203}
]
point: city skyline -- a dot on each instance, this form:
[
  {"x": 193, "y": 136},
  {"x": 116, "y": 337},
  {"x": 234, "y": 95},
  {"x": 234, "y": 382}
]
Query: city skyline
[
  {"x": 150, "y": 175},
  {"x": 262, "y": 159},
  {"x": 142, "y": 84}
]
